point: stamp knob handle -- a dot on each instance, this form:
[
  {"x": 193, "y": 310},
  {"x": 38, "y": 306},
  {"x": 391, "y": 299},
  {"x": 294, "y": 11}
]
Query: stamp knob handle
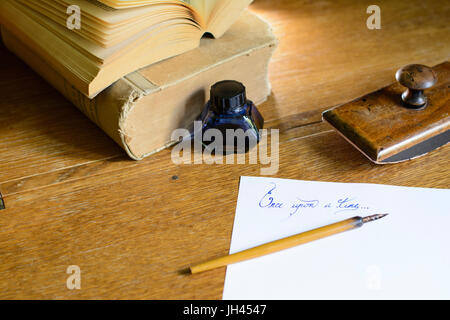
[{"x": 416, "y": 78}]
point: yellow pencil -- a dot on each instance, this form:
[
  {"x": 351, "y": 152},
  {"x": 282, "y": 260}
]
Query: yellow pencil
[{"x": 285, "y": 243}]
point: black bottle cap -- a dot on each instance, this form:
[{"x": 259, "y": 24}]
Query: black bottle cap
[{"x": 228, "y": 96}]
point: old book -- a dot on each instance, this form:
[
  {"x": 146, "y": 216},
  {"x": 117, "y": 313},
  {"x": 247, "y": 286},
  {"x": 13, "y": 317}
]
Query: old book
[
  {"x": 94, "y": 43},
  {"x": 141, "y": 110}
]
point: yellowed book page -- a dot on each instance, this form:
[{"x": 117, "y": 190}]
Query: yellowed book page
[
  {"x": 224, "y": 14},
  {"x": 109, "y": 16},
  {"x": 111, "y": 31},
  {"x": 202, "y": 8},
  {"x": 121, "y": 4},
  {"x": 83, "y": 73},
  {"x": 101, "y": 55},
  {"x": 108, "y": 36}
]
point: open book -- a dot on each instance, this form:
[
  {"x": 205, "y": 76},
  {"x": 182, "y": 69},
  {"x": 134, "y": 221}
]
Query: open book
[{"x": 113, "y": 37}]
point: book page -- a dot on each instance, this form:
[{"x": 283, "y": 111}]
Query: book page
[
  {"x": 118, "y": 4},
  {"x": 402, "y": 256},
  {"x": 223, "y": 15},
  {"x": 107, "y": 15},
  {"x": 202, "y": 8}
]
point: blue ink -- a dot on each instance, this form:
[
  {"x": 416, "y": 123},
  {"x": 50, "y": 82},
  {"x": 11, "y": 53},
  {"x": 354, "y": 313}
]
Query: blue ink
[
  {"x": 347, "y": 205},
  {"x": 303, "y": 204},
  {"x": 268, "y": 202}
]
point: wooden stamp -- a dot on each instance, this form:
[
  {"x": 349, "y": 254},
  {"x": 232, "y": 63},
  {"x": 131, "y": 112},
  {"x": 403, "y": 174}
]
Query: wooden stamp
[{"x": 401, "y": 122}]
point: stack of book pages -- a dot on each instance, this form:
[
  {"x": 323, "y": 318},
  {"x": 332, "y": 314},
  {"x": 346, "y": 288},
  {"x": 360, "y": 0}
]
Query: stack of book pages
[{"x": 140, "y": 68}]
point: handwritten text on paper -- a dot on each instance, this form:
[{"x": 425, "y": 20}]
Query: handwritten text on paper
[{"x": 270, "y": 200}]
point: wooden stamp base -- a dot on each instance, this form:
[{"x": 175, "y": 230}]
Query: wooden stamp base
[{"x": 386, "y": 131}]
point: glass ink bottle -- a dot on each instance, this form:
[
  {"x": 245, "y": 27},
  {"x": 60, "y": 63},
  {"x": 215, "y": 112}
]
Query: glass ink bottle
[{"x": 229, "y": 114}]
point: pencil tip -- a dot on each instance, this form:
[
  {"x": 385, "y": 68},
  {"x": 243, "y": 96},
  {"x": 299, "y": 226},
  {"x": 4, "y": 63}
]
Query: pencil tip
[{"x": 374, "y": 217}]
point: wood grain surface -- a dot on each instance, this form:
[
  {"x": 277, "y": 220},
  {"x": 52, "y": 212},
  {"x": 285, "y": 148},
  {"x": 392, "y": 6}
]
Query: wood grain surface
[{"x": 73, "y": 198}]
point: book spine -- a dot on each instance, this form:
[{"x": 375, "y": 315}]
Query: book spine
[{"x": 105, "y": 110}]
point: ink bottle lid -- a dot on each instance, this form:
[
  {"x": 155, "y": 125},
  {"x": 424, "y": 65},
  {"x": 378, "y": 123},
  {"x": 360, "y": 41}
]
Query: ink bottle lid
[{"x": 228, "y": 97}]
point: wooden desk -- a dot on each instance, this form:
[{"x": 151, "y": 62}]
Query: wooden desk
[{"x": 73, "y": 198}]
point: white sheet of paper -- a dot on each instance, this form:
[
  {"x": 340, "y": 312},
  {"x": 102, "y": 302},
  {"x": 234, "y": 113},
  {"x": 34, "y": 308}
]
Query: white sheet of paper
[{"x": 405, "y": 255}]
